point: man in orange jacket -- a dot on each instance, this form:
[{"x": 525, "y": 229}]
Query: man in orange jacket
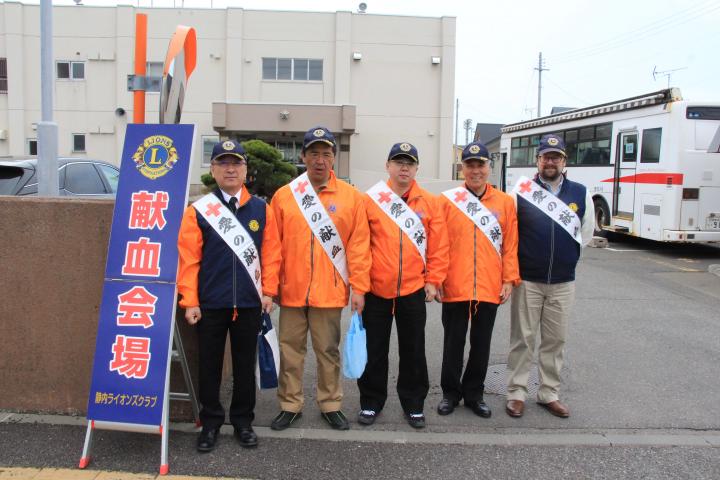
[
  {"x": 409, "y": 261},
  {"x": 223, "y": 288},
  {"x": 326, "y": 250},
  {"x": 482, "y": 227}
]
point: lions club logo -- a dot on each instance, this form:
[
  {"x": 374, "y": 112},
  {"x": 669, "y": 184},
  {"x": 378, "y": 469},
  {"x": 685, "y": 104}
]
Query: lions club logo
[
  {"x": 573, "y": 206},
  {"x": 474, "y": 149},
  {"x": 405, "y": 147},
  {"x": 155, "y": 157},
  {"x": 319, "y": 132},
  {"x": 254, "y": 225},
  {"x": 228, "y": 145},
  {"x": 552, "y": 141}
]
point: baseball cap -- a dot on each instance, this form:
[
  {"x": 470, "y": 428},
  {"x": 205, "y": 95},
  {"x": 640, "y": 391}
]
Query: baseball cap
[
  {"x": 551, "y": 143},
  {"x": 228, "y": 147},
  {"x": 318, "y": 134},
  {"x": 475, "y": 151},
  {"x": 404, "y": 149}
]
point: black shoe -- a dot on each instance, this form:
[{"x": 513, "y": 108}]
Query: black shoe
[
  {"x": 246, "y": 437},
  {"x": 415, "y": 420},
  {"x": 446, "y": 406},
  {"x": 207, "y": 439},
  {"x": 336, "y": 420},
  {"x": 367, "y": 417},
  {"x": 479, "y": 408},
  {"x": 284, "y": 419}
]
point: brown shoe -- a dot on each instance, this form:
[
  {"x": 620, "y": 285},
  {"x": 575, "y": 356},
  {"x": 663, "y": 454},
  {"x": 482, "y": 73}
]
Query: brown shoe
[
  {"x": 556, "y": 408},
  {"x": 515, "y": 408}
]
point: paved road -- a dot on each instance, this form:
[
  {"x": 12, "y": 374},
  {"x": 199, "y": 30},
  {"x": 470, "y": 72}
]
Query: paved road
[{"x": 640, "y": 379}]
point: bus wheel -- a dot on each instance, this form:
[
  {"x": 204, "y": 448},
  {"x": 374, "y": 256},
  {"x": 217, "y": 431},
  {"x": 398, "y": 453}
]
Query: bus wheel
[{"x": 602, "y": 216}]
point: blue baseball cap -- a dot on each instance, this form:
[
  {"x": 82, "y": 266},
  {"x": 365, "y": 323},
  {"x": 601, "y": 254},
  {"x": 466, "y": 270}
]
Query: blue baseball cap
[
  {"x": 404, "y": 149},
  {"x": 228, "y": 147},
  {"x": 319, "y": 134},
  {"x": 475, "y": 151},
  {"x": 551, "y": 143}
]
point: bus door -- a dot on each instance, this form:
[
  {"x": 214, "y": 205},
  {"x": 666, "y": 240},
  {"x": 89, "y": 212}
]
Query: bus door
[{"x": 625, "y": 166}]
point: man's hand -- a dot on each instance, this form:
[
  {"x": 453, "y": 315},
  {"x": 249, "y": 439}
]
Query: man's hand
[
  {"x": 439, "y": 295},
  {"x": 267, "y": 304},
  {"x": 193, "y": 315},
  {"x": 357, "y": 302},
  {"x": 505, "y": 292},
  {"x": 430, "y": 292}
]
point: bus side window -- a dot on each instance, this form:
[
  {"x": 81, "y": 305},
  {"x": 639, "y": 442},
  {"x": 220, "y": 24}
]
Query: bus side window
[{"x": 650, "y": 152}]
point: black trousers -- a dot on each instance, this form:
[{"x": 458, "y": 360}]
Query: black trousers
[
  {"x": 455, "y": 317},
  {"x": 412, "y": 383},
  {"x": 212, "y": 329}
]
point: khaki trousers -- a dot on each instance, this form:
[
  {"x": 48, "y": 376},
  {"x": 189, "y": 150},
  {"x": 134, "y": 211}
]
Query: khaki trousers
[
  {"x": 324, "y": 326},
  {"x": 543, "y": 307}
]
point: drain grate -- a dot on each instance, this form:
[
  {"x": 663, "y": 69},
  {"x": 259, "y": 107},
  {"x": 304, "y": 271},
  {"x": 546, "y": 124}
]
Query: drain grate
[{"x": 496, "y": 380}]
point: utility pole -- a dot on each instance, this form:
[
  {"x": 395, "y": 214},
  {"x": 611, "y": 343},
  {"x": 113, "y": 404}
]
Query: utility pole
[
  {"x": 540, "y": 69},
  {"x": 468, "y": 127},
  {"x": 47, "y": 166}
]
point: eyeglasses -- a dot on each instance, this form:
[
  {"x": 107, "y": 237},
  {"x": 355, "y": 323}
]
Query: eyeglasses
[
  {"x": 554, "y": 159},
  {"x": 224, "y": 163}
]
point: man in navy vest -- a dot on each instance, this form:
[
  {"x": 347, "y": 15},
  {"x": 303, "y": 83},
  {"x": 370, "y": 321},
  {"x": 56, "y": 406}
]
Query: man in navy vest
[
  {"x": 219, "y": 295},
  {"x": 547, "y": 254}
]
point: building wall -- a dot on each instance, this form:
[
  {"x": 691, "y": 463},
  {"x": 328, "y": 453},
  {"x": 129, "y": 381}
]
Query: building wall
[{"x": 399, "y": 94}]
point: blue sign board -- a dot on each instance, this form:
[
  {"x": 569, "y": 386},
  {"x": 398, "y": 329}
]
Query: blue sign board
[{"x": 136, "y": 314}]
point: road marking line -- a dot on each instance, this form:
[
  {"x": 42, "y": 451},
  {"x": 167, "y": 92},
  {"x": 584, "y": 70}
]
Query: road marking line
[
  {"x": 682, "y": 269},
  {"x": 620, "y": 250}
]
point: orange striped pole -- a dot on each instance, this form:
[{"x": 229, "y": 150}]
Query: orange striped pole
[{"x": 140, "y": 66}]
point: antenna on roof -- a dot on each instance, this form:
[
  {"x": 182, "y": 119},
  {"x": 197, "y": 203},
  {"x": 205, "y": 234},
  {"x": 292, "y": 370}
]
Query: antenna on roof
[
  {"x": 362, "y": 7},
  {"x": 666, "y": 73}
]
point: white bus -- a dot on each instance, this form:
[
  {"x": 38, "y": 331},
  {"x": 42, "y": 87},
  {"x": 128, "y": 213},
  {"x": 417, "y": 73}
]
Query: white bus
[{"x": 651, "y": 162}]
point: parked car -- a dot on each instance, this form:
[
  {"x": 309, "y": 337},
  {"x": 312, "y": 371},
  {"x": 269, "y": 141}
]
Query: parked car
[{"x": 78, "y": 177}]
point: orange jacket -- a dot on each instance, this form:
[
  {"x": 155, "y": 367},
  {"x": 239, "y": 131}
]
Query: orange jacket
[
  {"x": 190, "y": 247},
  {"x": 307, "y": 276},
  {"x": 476, "y": 270},
  {"x": 397, "y": 267}
]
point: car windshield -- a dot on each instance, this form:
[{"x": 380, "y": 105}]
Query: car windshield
[{"x": 9, "y": 179}]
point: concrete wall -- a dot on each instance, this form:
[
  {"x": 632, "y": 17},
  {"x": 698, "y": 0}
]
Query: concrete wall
[{"x": 51, "y": 275}]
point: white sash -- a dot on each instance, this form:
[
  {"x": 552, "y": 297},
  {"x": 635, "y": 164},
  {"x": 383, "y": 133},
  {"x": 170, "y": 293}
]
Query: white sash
[
  {"x": 550, "y": 205},
  {"x": 320, "y": 223},
  {"x": 222, "y": 220},
  {"x": 478, "y": 213},
  {"x": 403, "y": 216}
]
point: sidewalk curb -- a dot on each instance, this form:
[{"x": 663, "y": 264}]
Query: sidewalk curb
[{"x": 531, "y": 437}]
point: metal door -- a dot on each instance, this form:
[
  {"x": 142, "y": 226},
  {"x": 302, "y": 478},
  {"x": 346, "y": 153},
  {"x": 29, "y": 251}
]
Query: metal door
[{"x": 625, "y": 166}]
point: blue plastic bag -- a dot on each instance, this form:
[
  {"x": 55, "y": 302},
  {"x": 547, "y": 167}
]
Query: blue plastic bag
[
  {"x": 268, "y": 353},
  {"x": 355, "y": 348}
]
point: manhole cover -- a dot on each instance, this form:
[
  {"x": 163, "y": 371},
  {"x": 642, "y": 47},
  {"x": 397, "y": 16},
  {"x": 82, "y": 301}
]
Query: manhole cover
[{"x": 496, "y": 380}]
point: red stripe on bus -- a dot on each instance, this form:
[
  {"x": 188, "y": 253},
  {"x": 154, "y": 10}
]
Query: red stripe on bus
[{"x": 654, "y": 178}]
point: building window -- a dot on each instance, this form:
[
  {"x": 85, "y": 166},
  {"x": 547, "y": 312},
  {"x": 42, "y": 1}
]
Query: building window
[
  {"x": 32, "y": 146},
  {"x": 650, "y": 152},
  {"x": 70, "y": 70},
  {"x": 3, "y": 75},
  {"x": 296, "y": 69},
  {"x": 78, "y": 142},
  {"x": 208, "y": 142}
]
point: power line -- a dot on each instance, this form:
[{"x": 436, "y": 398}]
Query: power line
[{"x": 639, "y": 34}]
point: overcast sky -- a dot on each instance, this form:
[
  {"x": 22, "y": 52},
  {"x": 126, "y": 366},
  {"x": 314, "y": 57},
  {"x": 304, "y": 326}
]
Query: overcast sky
[{"x": 595, "y": 51}]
